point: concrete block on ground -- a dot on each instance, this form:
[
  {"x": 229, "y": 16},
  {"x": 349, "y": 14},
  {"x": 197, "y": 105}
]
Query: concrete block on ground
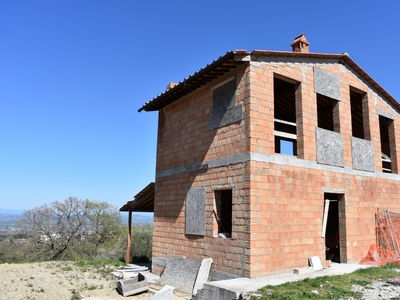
[
  {"x": 132, "y": 286},
  {"x": 165, "y": 293},
  {"x": 305, "y": 270},
  {"x": 315, "y": 262},
  {"x": 203, "y": 274},
  {"x": 181, "y": 273}
]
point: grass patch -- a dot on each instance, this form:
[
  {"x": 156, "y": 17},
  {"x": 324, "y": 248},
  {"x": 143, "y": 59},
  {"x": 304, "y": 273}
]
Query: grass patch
[
  {"x": 102, "y": 267},
  {"x": 328, "y": 287},
  {"x": 93, "y": 264},
  {"x": 92, "y": 287},
  {"x": 75, "y": 295}
]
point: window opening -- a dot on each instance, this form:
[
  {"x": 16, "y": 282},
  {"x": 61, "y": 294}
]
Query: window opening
[
  {"x": 357, "y": 121},
  {"x": 384, "y": 126},
  {"x": 223, "y": 212},
  {"x": 285, "y": 117},
  {"x": 328, "y": 113}
]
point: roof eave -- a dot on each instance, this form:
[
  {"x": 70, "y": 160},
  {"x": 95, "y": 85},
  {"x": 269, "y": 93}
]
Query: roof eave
[
  {"x": 205, "y": 75},
  {"x": 226, "y": 63}
]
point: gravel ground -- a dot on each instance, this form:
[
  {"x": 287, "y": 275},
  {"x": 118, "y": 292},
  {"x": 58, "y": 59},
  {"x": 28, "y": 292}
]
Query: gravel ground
[
  {"x": 380, "y": 289},
  {"x": 57, "y": 280}
]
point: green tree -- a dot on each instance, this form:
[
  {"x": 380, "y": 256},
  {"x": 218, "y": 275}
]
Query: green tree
[
  {"x": 103, "y": 227},
  {"x": 141, "y": 242}
]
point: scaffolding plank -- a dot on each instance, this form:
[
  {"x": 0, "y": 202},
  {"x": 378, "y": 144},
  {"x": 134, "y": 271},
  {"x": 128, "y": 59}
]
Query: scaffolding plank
[{"x": 325, "y": 218}]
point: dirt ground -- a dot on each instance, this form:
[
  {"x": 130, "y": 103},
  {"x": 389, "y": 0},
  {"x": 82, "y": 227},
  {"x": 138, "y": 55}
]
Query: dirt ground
[
  {"x": 59, "y": 280},
  {"x": 65, "y": 280}
]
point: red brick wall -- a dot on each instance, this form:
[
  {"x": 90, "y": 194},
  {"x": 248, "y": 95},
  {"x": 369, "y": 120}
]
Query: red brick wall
[
  {"x": 287, "y": 201},
  {"x": 277, "y": 206},
  {"x": 183, "y": 140},
  {"x": 287, "y": 209}
]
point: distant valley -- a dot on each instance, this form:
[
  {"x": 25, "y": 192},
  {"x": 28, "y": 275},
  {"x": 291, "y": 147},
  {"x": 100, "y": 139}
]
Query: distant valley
[
  {"x": 8, "y": 221},
  {"x": 9, "y": 218}
]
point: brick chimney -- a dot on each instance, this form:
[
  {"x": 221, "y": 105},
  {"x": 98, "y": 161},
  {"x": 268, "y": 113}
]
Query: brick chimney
[
  {"x": 300, "y": 44},
  {"x": 170, "y": 86}
]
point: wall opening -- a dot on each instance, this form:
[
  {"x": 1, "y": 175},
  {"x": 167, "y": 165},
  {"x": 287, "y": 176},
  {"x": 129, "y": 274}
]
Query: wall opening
[
  {"x": 357, "y": 120},
  {"x": 328, "y": 113},
  {"x": 334, "y": 223},
  {"x": 285, "y": 116},
  {"x": 223, "y": 213},
  {"x": 385, "y": 126}
]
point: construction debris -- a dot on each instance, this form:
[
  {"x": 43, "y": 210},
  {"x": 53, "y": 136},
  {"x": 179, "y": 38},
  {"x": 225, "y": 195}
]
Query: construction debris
[
  {"x": 302, "y": 271},
  {"x": 202, "y": 275},
  {"x": 387, "y": 235},
  {"x": 187, "y": 276},
  {"x": 165, "y": 293},
  {"x": 129, "y": 271},
  {"x": 133, "y": 267},
  {"x": 181, "y": 273},
  {"x": 315, "y": 262},
  {"x": 132, "y": 286}
]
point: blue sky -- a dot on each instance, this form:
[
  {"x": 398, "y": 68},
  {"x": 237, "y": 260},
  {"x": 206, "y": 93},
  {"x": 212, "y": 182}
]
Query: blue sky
[{"x": 74, "y": 73}]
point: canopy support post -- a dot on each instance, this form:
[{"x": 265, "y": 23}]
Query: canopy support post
[{"x": 128, "y": 243}]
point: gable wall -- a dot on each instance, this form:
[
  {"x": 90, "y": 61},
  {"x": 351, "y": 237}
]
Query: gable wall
[{"x": 287, "y": 192}]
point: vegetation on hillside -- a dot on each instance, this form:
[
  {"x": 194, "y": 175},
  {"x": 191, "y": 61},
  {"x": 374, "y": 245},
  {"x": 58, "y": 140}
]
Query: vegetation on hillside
[{"x": 74, "y": 229}]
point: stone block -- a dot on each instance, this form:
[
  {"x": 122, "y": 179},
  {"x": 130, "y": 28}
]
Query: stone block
[
  {"x": 363, "y": 154},
  {"x": 203, "y": 274},
  {"x": 165, "y": 293},
  {"x": 196, "y": 211},
  {"x": 327, "y": 83},
  {"x": 181, "y": 273},
  {"x": 330, "y": 149}
]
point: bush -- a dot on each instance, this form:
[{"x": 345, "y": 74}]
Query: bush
[{"x": 141, "y": 243}]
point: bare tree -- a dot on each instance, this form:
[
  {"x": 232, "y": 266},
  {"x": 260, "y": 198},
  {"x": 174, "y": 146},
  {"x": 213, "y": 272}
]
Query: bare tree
[
  {"x": 56, "y": 226},
  {"x": 74, "y": 227}
]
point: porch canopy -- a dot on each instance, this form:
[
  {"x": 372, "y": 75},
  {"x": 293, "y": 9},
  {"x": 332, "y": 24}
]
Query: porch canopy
[{"x": 142, "y": 202}]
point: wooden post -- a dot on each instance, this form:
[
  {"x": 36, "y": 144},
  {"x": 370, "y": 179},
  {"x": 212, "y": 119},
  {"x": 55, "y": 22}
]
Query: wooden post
[{"x": 128, "y": 243}]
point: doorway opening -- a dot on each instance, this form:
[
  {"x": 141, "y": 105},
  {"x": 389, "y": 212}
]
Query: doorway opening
[{"x": 334, "y": 228}]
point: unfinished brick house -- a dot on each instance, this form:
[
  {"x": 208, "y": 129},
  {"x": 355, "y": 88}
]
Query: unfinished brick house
[{"x": 267, "y": 158}]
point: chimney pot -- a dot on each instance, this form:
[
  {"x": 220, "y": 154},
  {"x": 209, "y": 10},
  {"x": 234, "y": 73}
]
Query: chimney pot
[
  {"x": 170, "y": 86},
  {"x": 300, "y": 44}
]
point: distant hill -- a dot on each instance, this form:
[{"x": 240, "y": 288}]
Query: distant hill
[
  {"x": 8, "y": 218},
  {"x": 11, "y": 211},
  {"x": 138, "y": 218}
]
